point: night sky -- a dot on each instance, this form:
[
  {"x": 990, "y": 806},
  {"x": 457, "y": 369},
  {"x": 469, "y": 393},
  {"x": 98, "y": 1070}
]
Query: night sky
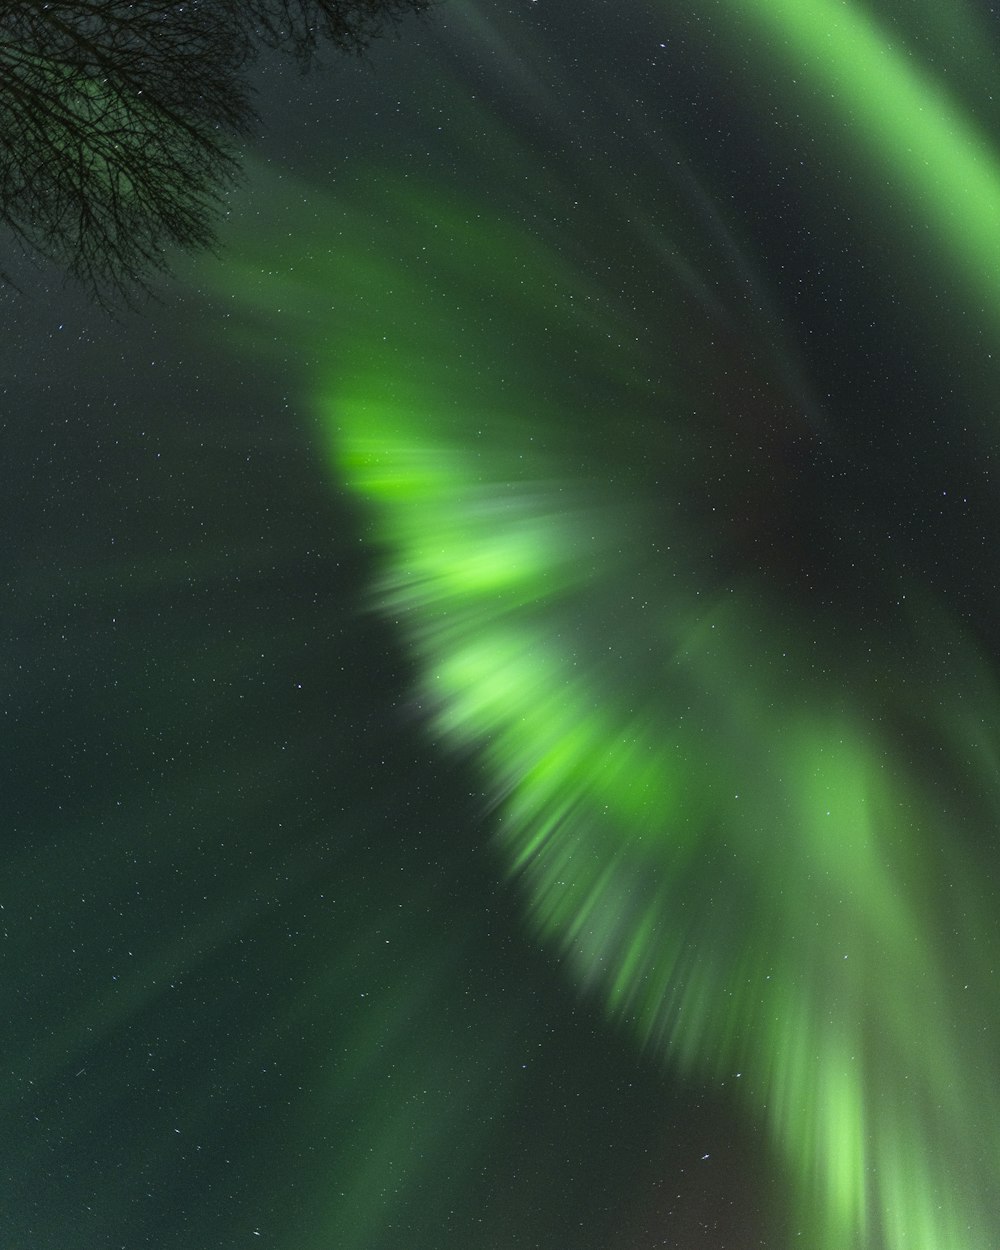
[{"x": 501, "y": 661}]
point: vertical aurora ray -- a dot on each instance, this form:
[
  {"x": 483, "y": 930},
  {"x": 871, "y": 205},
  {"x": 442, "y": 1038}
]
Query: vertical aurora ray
[{"x": 577, "y": 442}]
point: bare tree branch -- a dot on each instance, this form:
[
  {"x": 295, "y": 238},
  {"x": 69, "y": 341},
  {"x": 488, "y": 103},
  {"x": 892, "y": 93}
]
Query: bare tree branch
[
  {"x": 120, "y": 119},
  {"x": 303, "y": 26}
]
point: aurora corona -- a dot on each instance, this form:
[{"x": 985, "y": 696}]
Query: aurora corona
[{"x": 695, "y": 729}]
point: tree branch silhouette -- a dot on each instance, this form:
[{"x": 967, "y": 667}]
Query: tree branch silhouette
[
  {"x": 303, "y": 26},
  {"x": 120, "y": 122}
]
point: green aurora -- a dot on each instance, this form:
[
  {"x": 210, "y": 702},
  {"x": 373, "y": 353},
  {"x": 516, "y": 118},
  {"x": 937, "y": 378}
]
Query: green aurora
[{"x": 703, "y": 776}]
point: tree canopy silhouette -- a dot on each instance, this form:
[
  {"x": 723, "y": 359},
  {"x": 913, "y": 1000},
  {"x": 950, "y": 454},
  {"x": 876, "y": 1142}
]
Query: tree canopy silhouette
[{"x": 120, "y": 119}]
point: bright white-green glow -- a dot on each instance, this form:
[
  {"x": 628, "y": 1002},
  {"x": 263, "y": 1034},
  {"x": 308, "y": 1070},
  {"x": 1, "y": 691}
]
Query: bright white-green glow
[{"x": 730, "y": 864}]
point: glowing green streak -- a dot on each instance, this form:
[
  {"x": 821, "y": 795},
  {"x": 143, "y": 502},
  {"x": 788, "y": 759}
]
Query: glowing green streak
[{"x": 925, "y": 159}]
